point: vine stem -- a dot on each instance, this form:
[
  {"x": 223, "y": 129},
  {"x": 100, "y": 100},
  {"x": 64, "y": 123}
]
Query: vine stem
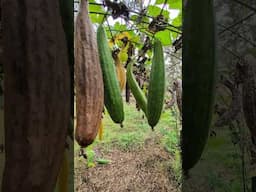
[
  {"x": 105, "y": 16},
  {"x": 112, "y": 37},
  {"x": 163, "y": 7}
]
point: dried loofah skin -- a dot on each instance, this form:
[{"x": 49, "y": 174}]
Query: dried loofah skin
[
  {"x": 88, "y": 80},
  {"x": 37, "y": 93}
]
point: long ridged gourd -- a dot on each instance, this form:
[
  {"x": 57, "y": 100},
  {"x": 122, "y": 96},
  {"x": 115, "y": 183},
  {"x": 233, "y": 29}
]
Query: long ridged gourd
[
  {"x": 249, "y": 94},
  {"x": 135, "y": 89},
  {"x": 156, "y": 87},
  {"x": 112, "y": 92},
  {"x": 198, "y": 79}
]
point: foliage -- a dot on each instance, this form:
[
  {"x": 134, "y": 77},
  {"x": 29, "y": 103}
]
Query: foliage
[
  {"x": 139, "y": 21},
  {"x": 132, "y": 29},
  {"x": 90, "y": 157},
  {"x": 132, "y": 36}
]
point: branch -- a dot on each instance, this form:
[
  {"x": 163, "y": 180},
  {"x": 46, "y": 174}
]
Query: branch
[
  {"x": 132, "y": 11},
  {"x": 133, "y": 29},
  {"x": 239, "y": 35},
  {"x": 171, "y": 54},
  {"x": 237, "y": 23},
  {"x": 93, "y": 12},
  {"x": 245, "y": 5}
]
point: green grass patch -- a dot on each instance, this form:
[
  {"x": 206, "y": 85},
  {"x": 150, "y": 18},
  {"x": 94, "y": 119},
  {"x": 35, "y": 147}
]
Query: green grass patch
[{"x": 135, "y": 131}]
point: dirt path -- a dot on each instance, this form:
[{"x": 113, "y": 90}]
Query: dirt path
[{"x": 144, "y": 170}]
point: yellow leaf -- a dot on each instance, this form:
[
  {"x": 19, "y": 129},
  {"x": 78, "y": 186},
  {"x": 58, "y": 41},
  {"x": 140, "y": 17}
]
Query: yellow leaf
[
  {"x": 122, "y": 35},
  {"x": 123, "y": 56},
  {"x": 100, "y": 130},
  {"x": 91, "y": 164},
  {"x": 111, "y": 44}
]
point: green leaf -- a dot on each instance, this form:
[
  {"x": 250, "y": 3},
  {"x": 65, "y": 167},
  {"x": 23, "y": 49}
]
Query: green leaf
[
  {"x": 159, "y": 2},
  {"x": 149, "y": 53},
  {"x": 96, "y": 18},
  {"x": 148, "y": 62},
  {"x": 108, "y": 33},
  {"x": 174, "y": 36},
  {"x": 178, "y": 20},
  {"x": 155, "y": 11},
  {"x": 175, "y": 4},
  {"x": 90, "y": 154},
  {"x": 135, "y": 39},
  {"x": 145, "y": 19},
  {"x": 119, "y": 27},
  {"x": 164, "y": 37},
  {"x": 134, "y": 17},
  {"x": 90, "y": 165},
  {"x": 137, "y": 20},
  {"x": 178, "y": 23},
  {"x": 103, "y": 161}
]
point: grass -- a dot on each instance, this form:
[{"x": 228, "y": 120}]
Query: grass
[
  {"x": 135, "y": 130},
  {"x": 135, "y": 133},
  {"x": 220, "y": 168}
]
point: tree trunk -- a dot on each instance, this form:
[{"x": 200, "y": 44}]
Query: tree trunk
[{"x": 37, "y": 94}]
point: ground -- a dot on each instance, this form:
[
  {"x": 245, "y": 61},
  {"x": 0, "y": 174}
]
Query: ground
[
  {"x": 145, "y": 161},
  {"x": 143, "y": 170},
  {"x": 142, "y": 160}
]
